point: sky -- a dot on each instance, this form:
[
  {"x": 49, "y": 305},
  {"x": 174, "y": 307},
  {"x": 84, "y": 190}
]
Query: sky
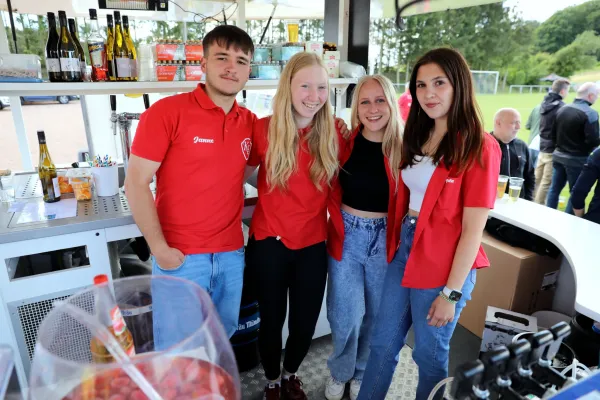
[{"x": 540, "y": 10}]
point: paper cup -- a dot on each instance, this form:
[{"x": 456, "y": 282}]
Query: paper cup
[{"x": 106, "y": 180}]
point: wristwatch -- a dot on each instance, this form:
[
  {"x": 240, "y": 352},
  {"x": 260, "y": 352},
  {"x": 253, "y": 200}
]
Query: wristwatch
[{"x": 453, "y": 295}]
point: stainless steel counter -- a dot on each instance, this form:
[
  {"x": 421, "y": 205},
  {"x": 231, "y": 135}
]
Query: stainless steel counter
[{"x": 98, "y": 213}]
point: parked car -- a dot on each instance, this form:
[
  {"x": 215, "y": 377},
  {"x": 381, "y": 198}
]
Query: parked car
[
  {"x": 4, "y": 102},
  {"x": 62, "y": 99}
]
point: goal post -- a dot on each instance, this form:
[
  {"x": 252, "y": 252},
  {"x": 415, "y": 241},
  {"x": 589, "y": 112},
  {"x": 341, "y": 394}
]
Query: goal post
[{"x": 486, "y": 82}]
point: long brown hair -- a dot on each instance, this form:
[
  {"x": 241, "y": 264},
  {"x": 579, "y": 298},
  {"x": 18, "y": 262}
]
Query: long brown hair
[{"x": 463, "y": 143}]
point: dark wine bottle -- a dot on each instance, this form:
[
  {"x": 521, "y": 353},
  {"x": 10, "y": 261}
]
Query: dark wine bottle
[
  {"x": 110, "y": 44},
  {"x": 67, "y": 53},
  {"x": 74, "y": 36},
  {"x": 130, "y": 48},
  {"x": 47, "y": 172},
  {"x": 52, "y": 60}
]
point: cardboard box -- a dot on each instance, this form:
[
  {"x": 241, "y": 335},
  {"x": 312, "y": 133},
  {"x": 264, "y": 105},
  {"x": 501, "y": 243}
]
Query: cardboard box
[
  {"x": 194, "y": 51},
  {"x": 502, "y": 325},
  {"x": 332, "y": 55},
  {"x": 333, "y": 68},
  {"x": 517, "y": 280},
  {"x": 314, "y": 47}
]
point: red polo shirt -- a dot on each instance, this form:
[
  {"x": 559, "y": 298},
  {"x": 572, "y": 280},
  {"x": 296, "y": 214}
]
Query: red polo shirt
[
  {"x": 203, "y": 154},
  {"x": 335, "y": 236},
  {"x": 440, "y": 221},
  {"x": 297, "y": 215}
]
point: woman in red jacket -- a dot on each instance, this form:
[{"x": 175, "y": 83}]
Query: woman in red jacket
[
  {"x": 297, "y": 148},
  {"x": 447, "y": 186},
  {"x": 360, "y": 241}
]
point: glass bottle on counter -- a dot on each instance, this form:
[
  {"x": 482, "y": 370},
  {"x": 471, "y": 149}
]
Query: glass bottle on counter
[
  {"x": 52, "y": 60},
  {"x": 74, "y": 36},
  {"x": 120, "y": 54},
  {"x": 110, "y": 44},
  {"x": 109, "y": 315},
  {"x": 130, "y": 48},
  {"x": 47, "y": 172},
  {"x": 97, "y": 50},
  {"x": 67, "y": 53}
]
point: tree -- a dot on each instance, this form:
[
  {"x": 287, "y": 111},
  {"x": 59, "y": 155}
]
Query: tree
[
  {"x": 571, "y": 59},
  {"x": 562, "y": 28}
]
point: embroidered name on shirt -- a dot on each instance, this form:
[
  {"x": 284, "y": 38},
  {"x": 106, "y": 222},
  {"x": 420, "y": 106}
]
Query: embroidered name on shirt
[
  {"x": 202, "y": 140},
  {"x": 449, "y": 180}
]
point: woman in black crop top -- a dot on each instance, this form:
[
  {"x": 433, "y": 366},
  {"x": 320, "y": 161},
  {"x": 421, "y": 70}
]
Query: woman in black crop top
[{"x": 358, "y": 252}]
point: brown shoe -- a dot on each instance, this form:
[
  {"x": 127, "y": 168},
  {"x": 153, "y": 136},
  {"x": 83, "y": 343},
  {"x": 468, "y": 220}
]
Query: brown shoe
[
  {"x": 291, "y": 389},
  {"x": 272, "y": 392}
]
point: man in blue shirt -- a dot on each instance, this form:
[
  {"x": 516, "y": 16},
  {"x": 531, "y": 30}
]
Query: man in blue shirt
[{"x": 589, "y": 176}]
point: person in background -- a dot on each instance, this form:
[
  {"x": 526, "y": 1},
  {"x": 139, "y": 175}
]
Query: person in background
[
  {"x": 588, "y": 177},
  {"x": 449, "y": 173},
  {"x": 297, "y": 149},
  {"x": 516, "y": 158},
  {"x": 360, "y": 240},
  {"x": 404, "y": 103},
  {"x": 548, "y": 109},
  {"x": 533, "y": 126},
  {"x": 194, "y": 227},
  {"x": 576, "y": 133}
]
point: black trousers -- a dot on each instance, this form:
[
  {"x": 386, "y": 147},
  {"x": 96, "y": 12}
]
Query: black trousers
[{"x": 278, "y": 271}]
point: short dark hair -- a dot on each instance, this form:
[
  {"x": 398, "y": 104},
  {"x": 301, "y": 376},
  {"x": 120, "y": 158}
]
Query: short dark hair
[
  {"x": 559, "y": 85},
  {"x": 229, "y": 35},
  {"x": 464, "y": 140}
]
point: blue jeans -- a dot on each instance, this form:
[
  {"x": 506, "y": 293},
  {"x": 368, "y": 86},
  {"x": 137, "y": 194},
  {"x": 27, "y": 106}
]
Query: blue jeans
[
  {"x": 561, "y": 174},
  {"x": 400, "y": 309},
  {"x": 353, "y": 294},
  {"x": 220, "y": 274}
]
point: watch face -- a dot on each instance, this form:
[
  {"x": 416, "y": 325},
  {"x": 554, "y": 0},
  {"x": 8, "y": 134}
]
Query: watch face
[{"x": 455, "y": 296}]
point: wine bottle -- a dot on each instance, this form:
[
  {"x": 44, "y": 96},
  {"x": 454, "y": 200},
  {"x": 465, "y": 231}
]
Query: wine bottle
[
  {"x": 74, "y": 36},
  {"x": 97, "y": 50},
  {"x": 130, "y": 48},
  {"x": 47, "y": 172},
  {"x": 67, "y": 53},
  {"x": 120, "y": 55},
  {"x": 110, "y": 44},
  {"x": 52, "y": 60}
]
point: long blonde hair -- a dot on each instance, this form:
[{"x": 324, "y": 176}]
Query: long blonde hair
[
  {"x": 284, "y": 140},
  {"x": 392, "y": 137}
]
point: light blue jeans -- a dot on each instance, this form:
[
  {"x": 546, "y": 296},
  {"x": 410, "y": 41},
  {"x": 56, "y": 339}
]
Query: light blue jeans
[
  {"x": 400, "y": 309},
  {"x": 220, "y": 274},
  {"x": 353, "y": 294}
]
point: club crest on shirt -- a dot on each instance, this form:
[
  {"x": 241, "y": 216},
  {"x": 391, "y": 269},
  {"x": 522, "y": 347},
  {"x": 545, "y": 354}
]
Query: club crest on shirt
[{"x": 246, "y": 147}]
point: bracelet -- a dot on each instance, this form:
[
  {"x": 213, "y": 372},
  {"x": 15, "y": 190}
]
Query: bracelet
[{"x": 443, "y": 296}]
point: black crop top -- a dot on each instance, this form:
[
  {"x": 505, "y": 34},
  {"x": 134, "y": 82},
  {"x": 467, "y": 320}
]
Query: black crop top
[{"x": 363, "y": 178}]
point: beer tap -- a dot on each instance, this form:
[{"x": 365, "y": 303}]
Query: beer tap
[{"x": 124, "y": 121}]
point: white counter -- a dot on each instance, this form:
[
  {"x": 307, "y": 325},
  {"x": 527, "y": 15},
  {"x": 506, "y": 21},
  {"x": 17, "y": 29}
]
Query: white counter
[{"x": 575, "y": 237}]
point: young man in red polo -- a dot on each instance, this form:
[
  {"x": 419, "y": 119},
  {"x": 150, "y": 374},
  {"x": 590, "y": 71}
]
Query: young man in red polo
[{"x": 197, "y": 144}]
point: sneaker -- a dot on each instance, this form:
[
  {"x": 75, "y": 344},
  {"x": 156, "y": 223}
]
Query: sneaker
[
  {"x": 291, "y": 389},
  {"x": 354, "y": 388},
  {"x": 334, "y": 390},
  {"x": 272, "y": 392}
]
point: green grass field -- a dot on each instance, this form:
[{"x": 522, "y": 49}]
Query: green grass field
[{"x": 524, "y": 103}]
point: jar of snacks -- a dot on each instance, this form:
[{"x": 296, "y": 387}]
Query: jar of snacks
[{"x": 80, "y": 180}]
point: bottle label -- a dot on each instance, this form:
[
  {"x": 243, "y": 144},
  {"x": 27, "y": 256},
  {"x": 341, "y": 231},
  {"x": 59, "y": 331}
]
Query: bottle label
[
  {"x": 123, "y": 67},
  {"x": 69, "y": 65},
  {"x": 134, "y": 72},
  {"x": 97, "y": 54},
  {"x": 117, "y": 321},
  {"x": 56, "y": 187},
  {"x": 53, "y": 65}
]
